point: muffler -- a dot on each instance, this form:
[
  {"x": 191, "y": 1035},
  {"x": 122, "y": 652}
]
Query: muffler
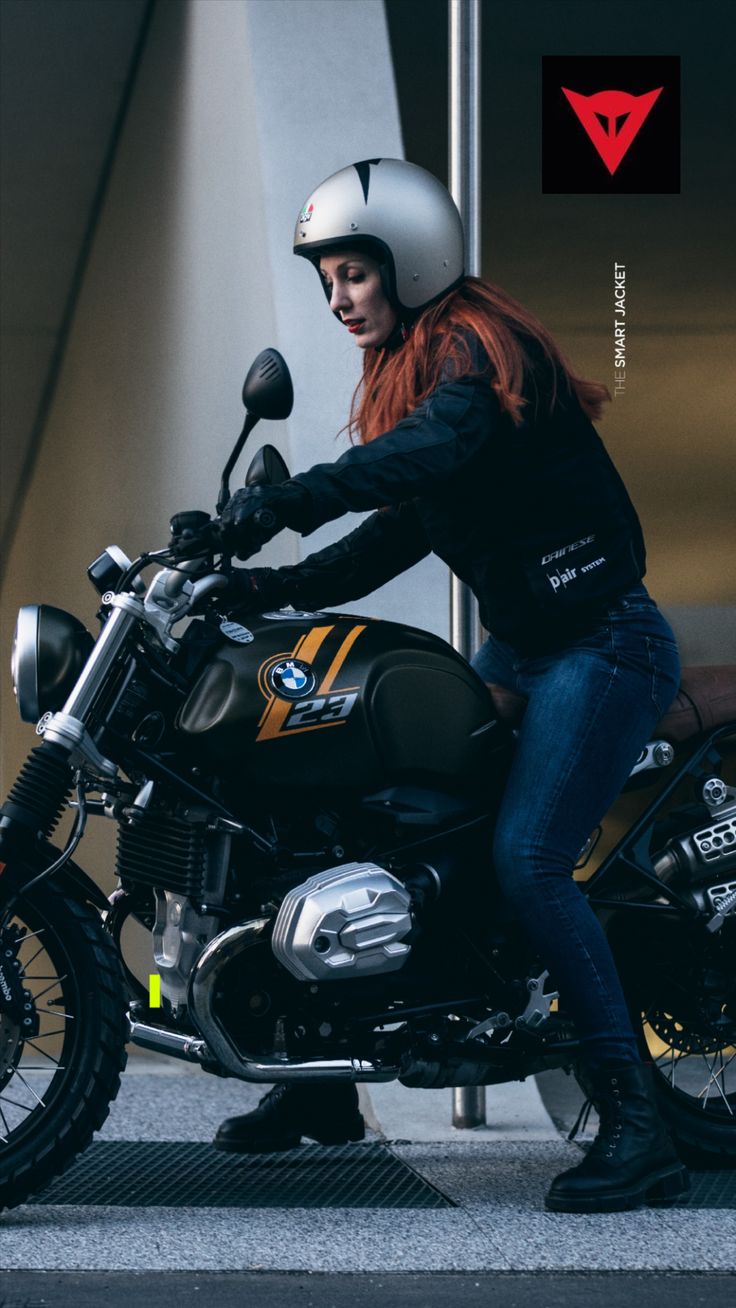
[{"x": 172, "y": 1043}]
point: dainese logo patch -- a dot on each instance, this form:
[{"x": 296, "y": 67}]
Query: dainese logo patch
[{"x": 611, "y": 124}]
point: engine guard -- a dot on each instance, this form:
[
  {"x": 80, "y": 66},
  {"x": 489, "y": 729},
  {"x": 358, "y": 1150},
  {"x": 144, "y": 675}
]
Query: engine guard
[{"x": 222, "y": 1050}]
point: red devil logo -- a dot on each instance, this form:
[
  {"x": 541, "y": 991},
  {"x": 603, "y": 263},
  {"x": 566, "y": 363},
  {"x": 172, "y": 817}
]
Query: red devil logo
[{"x": 613, "y": 141}]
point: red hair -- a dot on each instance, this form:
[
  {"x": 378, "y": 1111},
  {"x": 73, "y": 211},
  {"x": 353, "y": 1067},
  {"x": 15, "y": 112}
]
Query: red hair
[{"x": 395, "y": 382}]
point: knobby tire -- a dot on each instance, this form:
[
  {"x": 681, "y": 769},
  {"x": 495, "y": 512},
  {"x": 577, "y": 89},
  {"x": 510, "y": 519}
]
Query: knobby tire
[{"x": 48, "y": 1141}]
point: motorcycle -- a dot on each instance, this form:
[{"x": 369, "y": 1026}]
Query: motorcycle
[{"x": 304, "y": 809}]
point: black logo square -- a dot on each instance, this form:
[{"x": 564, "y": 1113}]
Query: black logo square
[{"x": 611, "y": 124}]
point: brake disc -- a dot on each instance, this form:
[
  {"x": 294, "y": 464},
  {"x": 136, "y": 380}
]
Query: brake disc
[
  {"x": 19, "y": 1015},
  {"x": 699, "y": 1037},
  {"x": 11, "y": 1048}
]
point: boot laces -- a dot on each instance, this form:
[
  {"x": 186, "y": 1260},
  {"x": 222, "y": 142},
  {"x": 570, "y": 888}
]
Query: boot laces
[
  {"x": 609, "y": 1108},
  {"x": 274, "y": 1094},
  {"x": 581, "y": 1120}
]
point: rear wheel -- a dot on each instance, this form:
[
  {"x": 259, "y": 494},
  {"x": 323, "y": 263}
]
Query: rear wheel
[
  {"x": 62, "y": 1037},
  {"x": 682, "y": 995}
]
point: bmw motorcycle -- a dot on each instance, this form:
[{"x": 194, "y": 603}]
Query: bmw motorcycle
[{"x": 304, "y": 811}]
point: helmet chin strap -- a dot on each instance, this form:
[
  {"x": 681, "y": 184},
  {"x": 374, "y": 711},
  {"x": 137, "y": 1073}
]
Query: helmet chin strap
[
  {"x": 396, "y": 338},
  {"x": 405, "y": 317},
  {"x": 400, "y": 332}
]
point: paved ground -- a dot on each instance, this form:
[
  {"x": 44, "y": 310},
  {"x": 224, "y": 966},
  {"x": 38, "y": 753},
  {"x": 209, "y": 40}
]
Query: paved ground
[
  {"x": 405, "y": 1290},
  {"x": 496, "y": 1177}
]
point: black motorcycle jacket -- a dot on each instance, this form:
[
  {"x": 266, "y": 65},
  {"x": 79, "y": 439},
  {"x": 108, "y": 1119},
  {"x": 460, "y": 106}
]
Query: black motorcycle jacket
[{"x": 534, "y": 518}]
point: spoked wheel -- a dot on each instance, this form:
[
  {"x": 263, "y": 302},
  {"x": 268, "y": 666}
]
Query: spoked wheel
[
  {"x": 62, "y": 1037},
  {"x": 684, "y": 997}
]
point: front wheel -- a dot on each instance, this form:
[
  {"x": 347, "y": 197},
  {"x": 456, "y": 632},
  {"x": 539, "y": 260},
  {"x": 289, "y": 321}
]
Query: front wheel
[
  {"x": 681, "y": 987},
  {"x": 62, "y": 1037}
]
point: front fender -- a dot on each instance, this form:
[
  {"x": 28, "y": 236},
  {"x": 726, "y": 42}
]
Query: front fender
[{"x": 70, "y": 880}]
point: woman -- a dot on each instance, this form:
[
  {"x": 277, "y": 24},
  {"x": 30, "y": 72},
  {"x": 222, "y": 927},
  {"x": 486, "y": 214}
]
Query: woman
[{"x": 475, "y": 441}]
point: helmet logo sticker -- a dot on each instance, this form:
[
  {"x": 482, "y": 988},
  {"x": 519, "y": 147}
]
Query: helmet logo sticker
[
  {"x": 306, "y": 213},
  {"x": 291, "y": 679}
]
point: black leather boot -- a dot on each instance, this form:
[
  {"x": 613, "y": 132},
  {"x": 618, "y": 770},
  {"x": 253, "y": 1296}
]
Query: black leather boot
[
  {"x": 325, "y": 1111},
  {"x": 632, "y": 1160}
]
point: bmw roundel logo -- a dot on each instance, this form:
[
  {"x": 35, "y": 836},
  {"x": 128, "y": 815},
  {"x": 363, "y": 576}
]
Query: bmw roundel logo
[{"x": 291, "y": 679}]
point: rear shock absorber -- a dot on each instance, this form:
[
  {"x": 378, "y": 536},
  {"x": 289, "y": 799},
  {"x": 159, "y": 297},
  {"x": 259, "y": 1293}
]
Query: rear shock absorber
[{"x": 37, "y": 799}]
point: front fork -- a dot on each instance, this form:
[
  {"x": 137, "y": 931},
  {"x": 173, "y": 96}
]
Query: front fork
[
  {"x": 36, "y": 801},
  {"x": 38, "y": 798}
]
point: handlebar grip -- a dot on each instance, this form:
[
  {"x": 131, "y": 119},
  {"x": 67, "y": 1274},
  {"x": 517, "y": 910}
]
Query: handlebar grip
[
  {"x": 193, "y": 534},
  {"x": 189, "y": 523}
]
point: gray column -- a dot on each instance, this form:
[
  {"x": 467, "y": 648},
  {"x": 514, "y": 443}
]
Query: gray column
[{"x": 469, "y": 1104}]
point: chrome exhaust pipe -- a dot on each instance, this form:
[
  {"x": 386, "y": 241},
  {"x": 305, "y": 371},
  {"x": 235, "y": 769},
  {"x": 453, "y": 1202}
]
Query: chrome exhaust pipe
[
  {"x": 167, "y": 1042},
  {"x": 203, "y": 982}
]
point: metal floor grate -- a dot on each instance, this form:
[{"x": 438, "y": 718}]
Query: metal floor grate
[
  {"x": 147, "y": 1175},
  {"x": 171, "y": 1175},
  {"x": 712, "y": 1189}
]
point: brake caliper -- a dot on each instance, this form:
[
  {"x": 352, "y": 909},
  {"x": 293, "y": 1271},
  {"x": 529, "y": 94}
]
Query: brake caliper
[{"x": 16, "y": 1003}]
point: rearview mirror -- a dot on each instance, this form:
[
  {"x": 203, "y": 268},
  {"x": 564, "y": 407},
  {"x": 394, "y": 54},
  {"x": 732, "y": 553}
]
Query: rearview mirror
[
  {"x": 267, "y": 393},
  {"x": 267, "y": 390}
]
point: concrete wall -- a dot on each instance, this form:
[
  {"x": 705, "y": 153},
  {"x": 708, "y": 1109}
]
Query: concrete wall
[
  {"x": 239, "y": 109},
  {"x": 63, "y": 79}
]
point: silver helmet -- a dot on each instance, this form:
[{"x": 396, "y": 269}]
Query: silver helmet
[{"x": 396, "y": 211}]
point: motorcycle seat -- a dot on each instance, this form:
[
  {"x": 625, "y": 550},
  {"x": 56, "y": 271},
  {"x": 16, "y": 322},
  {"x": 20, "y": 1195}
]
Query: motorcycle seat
[{"x": 706, "y": 700}]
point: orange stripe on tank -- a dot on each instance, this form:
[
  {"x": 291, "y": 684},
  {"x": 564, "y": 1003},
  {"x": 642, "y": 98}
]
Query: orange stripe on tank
[
  {"x": 309, "y": 644},
  {"x": 339, "y": 659}
]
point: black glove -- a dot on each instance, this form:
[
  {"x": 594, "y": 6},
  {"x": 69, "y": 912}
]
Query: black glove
[
  {"x": 253, "y": 590},
  {"x": 254, "y": 515}
]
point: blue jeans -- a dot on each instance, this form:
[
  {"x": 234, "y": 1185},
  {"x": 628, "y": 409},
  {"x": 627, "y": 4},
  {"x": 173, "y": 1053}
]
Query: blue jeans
[{"x": 592, "y": 706}]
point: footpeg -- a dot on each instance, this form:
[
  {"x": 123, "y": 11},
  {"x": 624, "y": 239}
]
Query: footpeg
[{"x": 539, "y": 1005}]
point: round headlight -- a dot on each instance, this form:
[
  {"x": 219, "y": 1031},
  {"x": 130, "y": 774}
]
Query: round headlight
[{"x": 50, "y": 648}]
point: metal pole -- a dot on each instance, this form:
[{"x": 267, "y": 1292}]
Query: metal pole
[
  {"x": 464, "y": 16},
  {"x": 464, "y": 151},
  {"x": 469, "y": 1103},
  {"x": 469, "y": 1106}
]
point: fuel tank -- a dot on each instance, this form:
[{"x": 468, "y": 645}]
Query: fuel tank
[{"x": 331, "y": 700}]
